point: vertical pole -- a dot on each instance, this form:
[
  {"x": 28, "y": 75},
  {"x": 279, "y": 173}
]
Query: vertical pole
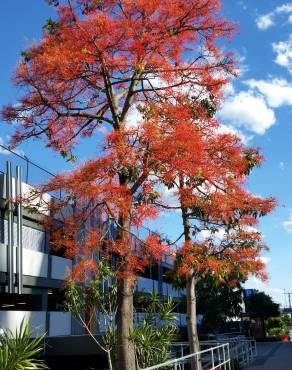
[
  {"x": 289, "y": 296},
  {"x": 19, "y": 263},
  {"x": 197, "y": 361},
  {"x": 10, "y": 227},
  {"x": 228, "y": 354}
]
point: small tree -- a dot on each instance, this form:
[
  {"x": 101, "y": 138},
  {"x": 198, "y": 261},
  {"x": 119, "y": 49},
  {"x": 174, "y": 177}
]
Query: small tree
[{"x": 95, "y": 294}]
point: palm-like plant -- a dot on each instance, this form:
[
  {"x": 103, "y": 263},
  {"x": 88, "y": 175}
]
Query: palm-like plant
[
  {"x": 152, "y": 338},
  {"x": 20, "y": 351}
]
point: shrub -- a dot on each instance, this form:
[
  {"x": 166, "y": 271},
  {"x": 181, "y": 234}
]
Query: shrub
[{"x": 20, "y": 351}]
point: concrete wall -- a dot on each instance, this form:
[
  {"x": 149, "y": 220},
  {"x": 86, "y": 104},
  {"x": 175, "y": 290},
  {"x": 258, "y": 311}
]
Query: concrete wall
[
  {"x": 59, "y": 322},
  {"x": 36, "y": 264}
]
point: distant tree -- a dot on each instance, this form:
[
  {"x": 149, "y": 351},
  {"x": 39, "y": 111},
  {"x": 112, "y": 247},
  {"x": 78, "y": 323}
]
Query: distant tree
[
  {"x": 275, "y": 326},
  {"x": 261, "y": 305},
  {"x": 217, "y": 302}
]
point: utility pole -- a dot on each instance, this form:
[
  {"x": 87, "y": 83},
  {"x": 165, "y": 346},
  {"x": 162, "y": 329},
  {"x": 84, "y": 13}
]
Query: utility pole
[{"x": 289, "y": 298}]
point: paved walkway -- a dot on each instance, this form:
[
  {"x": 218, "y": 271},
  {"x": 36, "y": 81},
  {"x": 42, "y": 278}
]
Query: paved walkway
[{"x": 273, "y": 356}]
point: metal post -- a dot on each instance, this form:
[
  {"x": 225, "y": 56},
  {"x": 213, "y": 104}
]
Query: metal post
[
  {"x": 197, "y": 361},
  {"x": 228, "y": 354},
  {"x": 10, "y": 227},
  {"x": 19, "y": 251},
  {"x": 212, "y": 356},
  {"x": 224, "y": 356}
]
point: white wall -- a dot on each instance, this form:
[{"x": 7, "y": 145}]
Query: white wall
[
  {"x": 35, "y": 263},
  {"x": 12, "y": 319},
  {"x": 59, "y": 322}
]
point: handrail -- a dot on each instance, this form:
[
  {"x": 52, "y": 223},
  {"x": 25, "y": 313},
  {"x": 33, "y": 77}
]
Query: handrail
[
  {"x": 241, "y": 348},
  {"x": 196, "y": 354}
]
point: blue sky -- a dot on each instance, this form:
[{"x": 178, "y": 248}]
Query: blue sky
[{"x": 258, "y": 107}]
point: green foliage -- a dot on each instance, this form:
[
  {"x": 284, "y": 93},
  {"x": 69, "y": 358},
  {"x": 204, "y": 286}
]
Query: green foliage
[
  {"x": 209, "y": 107},
  {"x": 152, "y": 337},
  {"x": 235, "y": 364},
  {"x": 217, "y": 302},
  {"x": 51, "y": 26},
  {"x": 99, "y": 296},
  {"x": 261, "y": 305},
  {"x": 26, "y": 56},
  {"x": 69, "y": 156},
  {"x": 274, "y": 332},
  {"x": 274, "y": 322},
  {"x": 19, "y": 351},
  {"x": 287, "y": 321},
  {"x": 278, "y": 325},
  {"x": 252, "y": 159}
]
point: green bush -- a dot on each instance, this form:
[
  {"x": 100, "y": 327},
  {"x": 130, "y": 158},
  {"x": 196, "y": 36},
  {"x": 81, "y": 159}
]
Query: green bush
[
  {"x": 277, "y": 331},
  {"x": 235, "y": 364},
  {"x": 152, "y": 338},
  {"x": 20, "y": 351}
]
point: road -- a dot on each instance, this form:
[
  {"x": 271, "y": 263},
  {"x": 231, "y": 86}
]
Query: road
[{"x": 273, "y": 356}]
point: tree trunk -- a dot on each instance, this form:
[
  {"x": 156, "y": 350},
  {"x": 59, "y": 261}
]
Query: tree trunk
[
  {"x": 193, "y": 338},
  {"x": 125, "y": 348},
  {"x": 125, "y": 306},
  {"x": 194, "y": 343}
]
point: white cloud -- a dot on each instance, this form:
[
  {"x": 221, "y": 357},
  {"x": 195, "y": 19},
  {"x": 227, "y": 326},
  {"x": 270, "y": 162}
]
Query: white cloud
[
  {"x": 266, "y": 21},
  {"x": 227, "y": 129},
  {"x": 282, "y": 166},
  {"x": 285, "y": 8},
  {"x": 265, "y": 259},
  {"x": 134, "y": 118},
  {"x": 206, "y": 234},
  {"x": 288, "y": 225},
  {"x": 278, "y": 92},
  {"x": 283, "y": 49},
  {"x": 275, "y": 293},
  {"x": 6, "y": 144},
  {"x": 249, "y": 110}
]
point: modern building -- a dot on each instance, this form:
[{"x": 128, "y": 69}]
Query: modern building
[{"x": 32, "y": 276}]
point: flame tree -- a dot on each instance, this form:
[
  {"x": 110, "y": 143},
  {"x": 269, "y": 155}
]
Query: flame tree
[
  {"x": 207, "y": 171},
  {"x": 96, "y": 63}
]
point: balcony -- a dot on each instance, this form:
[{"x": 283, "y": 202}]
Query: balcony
[{"x": 36, "y": 264}]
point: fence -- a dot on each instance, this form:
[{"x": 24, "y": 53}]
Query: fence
[
  {"x": 213, "y": 358},
  {"x": 242, "y": 350}
]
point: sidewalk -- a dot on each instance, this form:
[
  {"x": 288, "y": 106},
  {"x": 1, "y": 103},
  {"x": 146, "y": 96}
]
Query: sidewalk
[{"x": 273, "y": 356}]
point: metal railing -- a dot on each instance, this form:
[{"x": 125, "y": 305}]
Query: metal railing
[
  {"x": 213, "y": 358},
  {"x": 242, "y": 350}
]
